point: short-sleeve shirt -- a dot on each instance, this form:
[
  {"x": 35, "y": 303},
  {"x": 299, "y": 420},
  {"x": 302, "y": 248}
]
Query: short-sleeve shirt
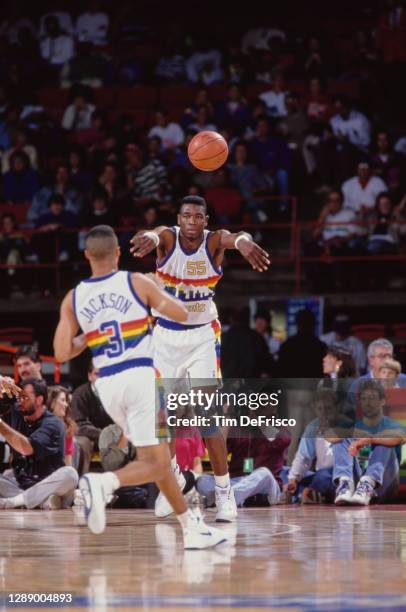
[{"x": 47, "y": 437}]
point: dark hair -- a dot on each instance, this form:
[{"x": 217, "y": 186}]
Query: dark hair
[
  {"x": 196, "y": 200},
  {"x": 371, "y": 385},
  {"x": 101, "y": 231},
  {"x": 70, "y": 425},
  {"x": 11, "y": 216},
  {"x": 56, "y": 198},
  {"x": 383, "y": 194},
  {"x": 263, "y": 314},
  {"x": 22, "y": 156},
  {"x": 27, "y": 350},
  {"x": 241, "y": 143},
  {"x": 338, "y": 190},
  {"x": 347, "y": 368},
  {"x": 39, "y": 386},
  {"x": 343, "y": 99}
]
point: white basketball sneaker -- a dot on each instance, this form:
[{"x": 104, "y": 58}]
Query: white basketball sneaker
[
  {"x": 198, "y": 535},
  {"x": 96, "y": 492},
  {"x": 162, "y": 507},
  {"x": 226, "y": 506}
]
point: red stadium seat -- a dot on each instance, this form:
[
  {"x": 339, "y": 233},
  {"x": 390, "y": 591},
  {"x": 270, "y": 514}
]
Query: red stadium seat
[
  {"x": 104, "y": 97},
  {"x": 137, "y": 97},
  {"x": 399, "y": 330},
  {"x": 53, "y": 97},
  {"x": 18, "y": 210},
  {"x": 369, "y": 331},
  {"x": 255, "y": 89},
  {"x": 177, "y": 96},
  {"x": 16, "y": 335}
]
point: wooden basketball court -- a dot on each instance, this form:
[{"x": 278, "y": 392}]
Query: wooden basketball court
[{"x": 284, "y": 558}]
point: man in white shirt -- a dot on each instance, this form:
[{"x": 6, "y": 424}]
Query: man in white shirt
[
  {"x": 275, "y": 98},
  {"x": 57, "y": 48},
  {"x": 204, "y": 66},
  {"x": 349, "y": 124},
  {"x": 78, "y": 115},
  {"x": 360, "y": 192},
  {"x": 93, "y": 25},
  {"x": 171, "y": 134}
]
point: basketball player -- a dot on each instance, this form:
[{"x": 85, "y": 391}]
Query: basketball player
[
  {"x": 111, "y": 308},
  {"x": 189, "y": 266}
]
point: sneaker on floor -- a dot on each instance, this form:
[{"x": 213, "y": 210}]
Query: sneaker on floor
[
  {"x": 162, "y": 507},
  {"x": 198, "y": 535},
  {"x": 54, "y": 502},
  {"x": 344, "y": 492},
  {"x": 363, "y": 493},
  {"x": 96, "y": 494},
  {"x": 226, "y": 506}
]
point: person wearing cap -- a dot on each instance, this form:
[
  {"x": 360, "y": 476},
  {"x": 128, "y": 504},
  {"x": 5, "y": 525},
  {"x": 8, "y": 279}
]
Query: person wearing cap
[{"x": 340, "y": 337}]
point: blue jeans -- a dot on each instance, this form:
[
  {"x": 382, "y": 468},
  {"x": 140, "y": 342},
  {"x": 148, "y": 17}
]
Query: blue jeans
[
  {"x": 260, "y": 482},
  {"x": 383, "y": 468},
  {"x": 321, "y": 481},
  {"x": 282, "y": 181}
]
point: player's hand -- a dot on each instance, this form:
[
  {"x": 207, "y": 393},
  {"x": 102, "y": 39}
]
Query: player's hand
[
  {"x": 257, "y": 257},
  {"x": 356, "y": 446},
  {"x": 8, "y": 387},
  {"x": 291, "y": 486},
  {"x": 142, "y": 245}
]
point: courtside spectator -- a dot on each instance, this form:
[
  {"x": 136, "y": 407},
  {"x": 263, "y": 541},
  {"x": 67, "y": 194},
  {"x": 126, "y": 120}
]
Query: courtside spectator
[
  {"x": 59, "y": 404},
  {"x": 340, "y": 337},
  {"x": 90, "y": 417},
  {"x": 28, "y": 362},
  {"x": 263, "y": 325},
  {"x": 381, "y": 437},
  {"x": 38, "y": 476},
  {"x": 389, "y": 372}
]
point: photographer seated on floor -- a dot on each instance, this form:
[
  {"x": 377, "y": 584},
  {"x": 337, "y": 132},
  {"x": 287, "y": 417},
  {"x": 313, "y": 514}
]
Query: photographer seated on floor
[{"x": 38, "y": 477}]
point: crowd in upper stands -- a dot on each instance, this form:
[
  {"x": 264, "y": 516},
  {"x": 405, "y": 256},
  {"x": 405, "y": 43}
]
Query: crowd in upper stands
[{"x": 97, "y": 108}]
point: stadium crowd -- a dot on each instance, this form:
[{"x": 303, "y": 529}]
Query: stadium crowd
[{"x": 97, "y": 109}]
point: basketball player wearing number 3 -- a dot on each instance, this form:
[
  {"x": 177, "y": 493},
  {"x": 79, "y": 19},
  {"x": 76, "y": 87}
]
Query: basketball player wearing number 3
[{"x": 189, "y": 267}]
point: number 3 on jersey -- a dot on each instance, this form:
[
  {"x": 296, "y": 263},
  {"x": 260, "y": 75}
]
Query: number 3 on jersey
[
  {"x": 194, "y": 268},
  {"x": 115, "y": 347}
]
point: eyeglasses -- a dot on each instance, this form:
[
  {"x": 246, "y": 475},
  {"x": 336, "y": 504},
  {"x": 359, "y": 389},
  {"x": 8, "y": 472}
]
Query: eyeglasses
[{"x": 383, "y": 355}]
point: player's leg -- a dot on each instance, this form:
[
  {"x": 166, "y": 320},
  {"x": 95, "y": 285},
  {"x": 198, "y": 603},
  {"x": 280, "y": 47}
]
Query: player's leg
[
  {"x": 168, "y": 351},
  {"x": 203, "y": 367}
]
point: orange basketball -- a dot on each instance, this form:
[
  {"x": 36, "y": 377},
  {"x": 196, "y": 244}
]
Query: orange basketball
[{"x": 207, "y": 151}]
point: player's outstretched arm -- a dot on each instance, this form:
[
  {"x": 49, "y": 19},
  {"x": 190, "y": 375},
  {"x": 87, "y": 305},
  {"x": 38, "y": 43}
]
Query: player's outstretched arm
[
  {"x": 145, "y": 241},
  {"x": 66, "y": 344},
  {"x": 159, "y": 299},
  {"x": 250, "y": 250}
]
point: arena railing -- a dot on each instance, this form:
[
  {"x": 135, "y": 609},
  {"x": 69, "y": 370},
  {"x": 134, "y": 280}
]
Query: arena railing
[{"x": 292, "y": 230}]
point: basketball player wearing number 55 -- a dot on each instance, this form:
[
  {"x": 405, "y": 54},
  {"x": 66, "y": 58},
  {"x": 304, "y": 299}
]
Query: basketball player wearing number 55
[
  {"x": 111, "y": 308},
  {"x": 189, "y": 267}
]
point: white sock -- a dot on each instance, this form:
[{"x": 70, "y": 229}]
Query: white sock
[
  {"x": 17, "y": 501},
  {"x": 174, "y": 463},
  {"x": 222, "y": 481},
  {"x": 112, "y": 480},
  {"x": 185, "y": 518}
]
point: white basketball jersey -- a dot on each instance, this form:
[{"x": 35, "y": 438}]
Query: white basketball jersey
[
  {"x": 191, "y": 276},
  {"x": 114, "y": 320}
]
